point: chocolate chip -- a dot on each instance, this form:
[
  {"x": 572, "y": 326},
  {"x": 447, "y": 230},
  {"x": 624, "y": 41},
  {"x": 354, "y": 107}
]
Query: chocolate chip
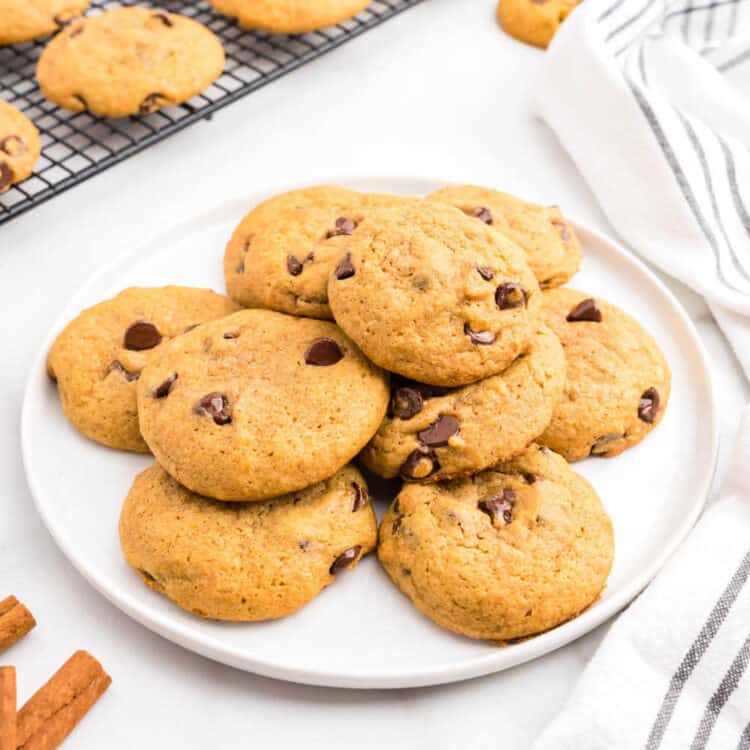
[
  {"x": 483, "y": 214},
  {"x": 420, "y": 464},
  {"x": 248, "y": 242},
  {"x": 6, "y": 175},
  {"x": 345, "y": 269},
  {"x": 360, "y": 497},
  {"x": 13, "y": 145},
  {"x": 217, "y": 406},
  {"x": 405, "y": 403},
  {"x": 439, "y": 432},
  {"x": 530, "y": 478},
  {"x": 648, "y": 406},
  {"x": 117, "y": 366},
  {"x": 500, "y": 507},
  {"x": 304, "y": 545},
  {"x": 486, "y": 272},
  {"x": 80, "y": 97},
  {"x": 165, "y": 19},
  {"x": 309, "y": 258},
  {"x": 342, "y": 226},
  {"x": 479, "y": 337},
  {"x": 601, "y": 444},
  {"x": 405, "y": 571},
  {"x": 396, "y": 507},
  {"x": 240, "y": 267},
  {"x": 161, "y": 391},
  {"x": 293, "y": 265},
  {"x": 396, "y": 525},
  {"x": 561, "y": 226},
  {"x": 586, "y": 310},
  {"x": 191, "y": 328},
  {"x": 510, "y": 295},
  {"x": 345, "y": 559},
  {"x": 141, "y": 335},
  {"x": 151, "y": 103},
  {"x": 323, "y": 352}
]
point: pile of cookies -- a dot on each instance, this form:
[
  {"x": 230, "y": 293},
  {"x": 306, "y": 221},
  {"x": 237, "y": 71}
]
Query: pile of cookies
[
  {"x": 130, "y": 60},
  {"x": 429, "y": 341}
]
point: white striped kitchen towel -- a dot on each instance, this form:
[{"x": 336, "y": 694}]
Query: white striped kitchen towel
[{"x": 651, "y": 98}]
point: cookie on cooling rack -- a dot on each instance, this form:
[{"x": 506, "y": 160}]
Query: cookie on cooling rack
[
  {"x": 289, "y": 16},
  {"x": 505, "y": 554},
  {"x": 98, "y": 357},
  {"x": 129, "y": 61},
  {"x": 245, "y": 561},
  {"x": 24, "y": 20},
  {"x": 19, "y": 146}
]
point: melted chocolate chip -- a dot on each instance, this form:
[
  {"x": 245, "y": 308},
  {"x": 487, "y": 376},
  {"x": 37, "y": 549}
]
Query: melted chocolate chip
[
  {"x": 345, "y": 559},
  {"x": 405, "y": 403},
  {"x": 396, "y": 525},
  {"x": 440, "y": 431},
  {"x": 141, "y": 335},
  {"x": 117, "y": 366},
  {"x": 648, "y": 406},
  {"x": 191, "y": 328},
  {"x": 345, "y": 268},
  {"x": 530, "y": 478},
  {"x": 231, "y": 335},
  {"x": 420, "y": 464},
  {"x": 360, "y": 497},
  {"x": 151, "y": 103},
  {"x": 304, "y": 545},
  {"x": 601, "y": 444},
  {"x": 483, "y": 214},
  {"x": 217, "y": 406},
  {"x": 162, "y": 391},
  {"x": 561, "y": 226},
  {"x": 500, "y": 507},
  {"x": 342, "y": 226},
  {"x": 165, "y": 19},
  {"x": 293, "y": 265},
  {"x": 6, "y": 175},
  {"x": 248, "y": 242},
  {"x": 479, "y": 337},
  {"x": 240, "y": 267},
  {"x": 323, "y": 352},
  {"x": 510, "y": 295},
  {"x": 13, "y": 145},
  {"x": 586, "y": 310},
  {"x": 486, "y": 272}
]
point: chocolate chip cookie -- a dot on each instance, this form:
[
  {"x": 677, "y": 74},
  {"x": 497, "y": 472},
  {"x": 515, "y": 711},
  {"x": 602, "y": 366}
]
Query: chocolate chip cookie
[
  {"x": 431, "y": 434},
  {"x": 617, "y": 383},
  {"x": 533, "y": 21},
  {"x": 505, "y": 554},
  {"x": 548, "y": 239},
  {"x": 129, "y": 61},
  {"x": 245, "y": 561},
  {"x": 282, "y": 253},
  {"x": 19, "y": 146},
  {"x": 98, "y": 357},
  {"x": 24, "y": 20},
  {"x": 259, "y": 404},
  {"x": 289, "y": 16},
  {"x": 434, "y": 295}
]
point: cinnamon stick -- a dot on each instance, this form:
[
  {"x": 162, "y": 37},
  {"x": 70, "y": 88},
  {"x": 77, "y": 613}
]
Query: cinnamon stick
[
  {"x": 15, "y": 622},
  {"x": 52, "y": 713},
  {"x": 8, "y": 708}
]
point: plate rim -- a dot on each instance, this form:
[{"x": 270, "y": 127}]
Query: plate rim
[{"x": 480, "y": 665}]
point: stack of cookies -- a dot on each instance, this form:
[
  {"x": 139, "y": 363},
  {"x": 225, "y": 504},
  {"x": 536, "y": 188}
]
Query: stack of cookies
[{"x": 428, "y": 341}]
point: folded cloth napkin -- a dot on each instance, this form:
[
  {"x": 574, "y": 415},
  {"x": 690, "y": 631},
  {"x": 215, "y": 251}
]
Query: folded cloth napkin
[{"x": 647, "y": 98}]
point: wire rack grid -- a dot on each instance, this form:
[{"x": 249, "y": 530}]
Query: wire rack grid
[{"x": 76, "y": 146}]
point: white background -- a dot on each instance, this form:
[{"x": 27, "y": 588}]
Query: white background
[{"x": 438, "y": 90}]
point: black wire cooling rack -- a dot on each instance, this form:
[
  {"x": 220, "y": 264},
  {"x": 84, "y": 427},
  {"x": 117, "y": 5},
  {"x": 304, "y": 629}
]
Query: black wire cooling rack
[{"x": 76, "y": 146}]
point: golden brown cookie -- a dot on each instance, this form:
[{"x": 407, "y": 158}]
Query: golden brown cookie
[
  {"x": 129, "y": 61},
  {"x": 245, "y": 561},
  {"x": 434, "y": 295},
  {"x": 289, "y": 16},
  {"x": 542, "y": 232},
  {"x": 618, "y": 381},
  {"x": 282, "y": 253},
  {"x": 98, "y": 357},
  {"x": 24, "y": 20},
  {"x": 431, "y": 434},
  {"x": 505, "y": 554},
  {"x": 259, "y": 404},
  {"x": 533, "y": 21},
  {"x": 19, "y": 146}
]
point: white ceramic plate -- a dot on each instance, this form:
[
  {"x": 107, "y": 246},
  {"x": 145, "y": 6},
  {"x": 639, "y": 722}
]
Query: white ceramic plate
[{"x": 361, "y": 632}]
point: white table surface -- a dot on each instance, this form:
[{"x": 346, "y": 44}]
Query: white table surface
[{"x": 438, "y": 90}]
